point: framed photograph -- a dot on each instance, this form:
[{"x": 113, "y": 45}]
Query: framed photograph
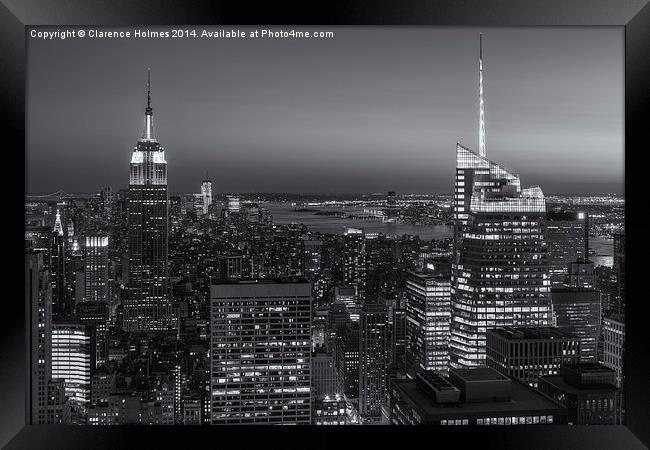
[{"x": 405, "y": 215}]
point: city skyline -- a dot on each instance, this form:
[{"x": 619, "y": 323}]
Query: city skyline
[
  {"x": 156, "y": 309},
  {"x": 417, "y": 103}
]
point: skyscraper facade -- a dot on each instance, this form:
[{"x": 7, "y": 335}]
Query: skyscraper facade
[
  {"x": 618, "y": 303},
  {"x": 72, "y": 358},
  {"x": 354, "y": 269},
  {"x": 567, "y": 239},
  {"x": 260, "y": 352},
  {"x": 57, "y": 266},
  {"x": 38, "y": 302},
  {"x": 499, "y": 272},
  {"x": 147, "y": 306},
  {"x": 614, "y": 345},
  {"x": 373, "y": 361},
  {"x": 428, "y": 317},
  {"x": 206, "y": 196},
  {"x": 96, "y": 268},
  {"x": 499, "y": 267},
  {"x": 578, "y": 312}
]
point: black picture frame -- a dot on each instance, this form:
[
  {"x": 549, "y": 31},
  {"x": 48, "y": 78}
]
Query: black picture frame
[{"x": 633, "y": 15}]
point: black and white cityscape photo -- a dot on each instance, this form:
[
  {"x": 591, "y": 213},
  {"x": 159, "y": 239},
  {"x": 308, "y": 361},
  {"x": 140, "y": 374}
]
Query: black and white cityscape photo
[{"x": 325, "y": 225}]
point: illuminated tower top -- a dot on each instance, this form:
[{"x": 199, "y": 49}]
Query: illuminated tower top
[
  {"x": 148, "y": 164},
  {"x": 58, "y": 228},
  {"x": 481, "y": 130}
]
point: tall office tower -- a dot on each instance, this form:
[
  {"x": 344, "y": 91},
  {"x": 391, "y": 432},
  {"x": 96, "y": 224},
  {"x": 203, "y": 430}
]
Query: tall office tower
[
  {"x": 619, "y": 270},
  {"x": 147, "y": 306},
  {"x": 578, "y": 312},
  {"x": 260, "y": 352},
  {"x": 295, "y": 252},
  {"x": 428, "y": 313},
  {"x": 58, "y": 269},
  {"x": 95, "y": 315},
  {"x": 354, "y": 265},
  {"x": 106, "y": 196},
  {"x": 73, "y": 244},
  {"x": 499, "y": 268},
  {"x": 566, "y": 234},
  {"x": 312, "y": 257},
  {"x": 206, "y": 196},
  {"x": 347, "y": 359},
  {"x": 96, "y": 268},
  {"x": 398, "y": 337},
  {"x": 614, "y": 356},
  {"x": 373, "y": 361},
  {"x": 72, "y": 359},
  {"x": 529, "y": 353},
  {"x": 614, "y": 346},
  {"x": 38, "y": 304}
]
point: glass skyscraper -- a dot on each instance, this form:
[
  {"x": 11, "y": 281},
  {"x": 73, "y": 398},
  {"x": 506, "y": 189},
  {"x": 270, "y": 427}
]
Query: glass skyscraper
[
  {"x": 500, "y": 274},
  {"x": 500, "y": 271}
]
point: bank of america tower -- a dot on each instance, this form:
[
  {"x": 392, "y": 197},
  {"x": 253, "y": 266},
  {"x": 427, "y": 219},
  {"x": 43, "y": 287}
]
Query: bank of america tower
[
  {"x": 500, "y": 273},
  {"x": 147, "y": 306}
]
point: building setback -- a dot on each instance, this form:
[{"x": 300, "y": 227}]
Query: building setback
[{"x": 260, "y": 352}]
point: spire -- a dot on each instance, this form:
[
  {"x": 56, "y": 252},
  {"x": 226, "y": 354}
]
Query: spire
[
  {"x": 149, "y": 110},
  {"x": 58, "y": 228},
  {"x": 481, "y": 130},
  {"x": 147, "y": 134}
]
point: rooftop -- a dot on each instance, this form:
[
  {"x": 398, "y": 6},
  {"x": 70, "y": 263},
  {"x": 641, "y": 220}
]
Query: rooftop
[
  {"x": 522, "y": 398},
  {"x": 532, "y": 333}
]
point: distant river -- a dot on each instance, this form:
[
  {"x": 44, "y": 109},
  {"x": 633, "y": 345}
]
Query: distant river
[
  {"x": 284, "y": 214},
  {"x": 604, "y": 249}
]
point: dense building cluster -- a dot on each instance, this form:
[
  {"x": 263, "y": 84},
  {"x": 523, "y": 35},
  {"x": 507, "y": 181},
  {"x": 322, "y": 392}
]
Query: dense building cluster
[{"x": 145, "y": 307}]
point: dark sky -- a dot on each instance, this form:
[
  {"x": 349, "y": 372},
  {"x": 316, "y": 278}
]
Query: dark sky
[{"x": 370, "y": 110}]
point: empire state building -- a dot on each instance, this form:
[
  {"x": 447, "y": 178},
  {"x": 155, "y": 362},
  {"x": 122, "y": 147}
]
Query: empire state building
[{"x": 147, "y": 306}]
